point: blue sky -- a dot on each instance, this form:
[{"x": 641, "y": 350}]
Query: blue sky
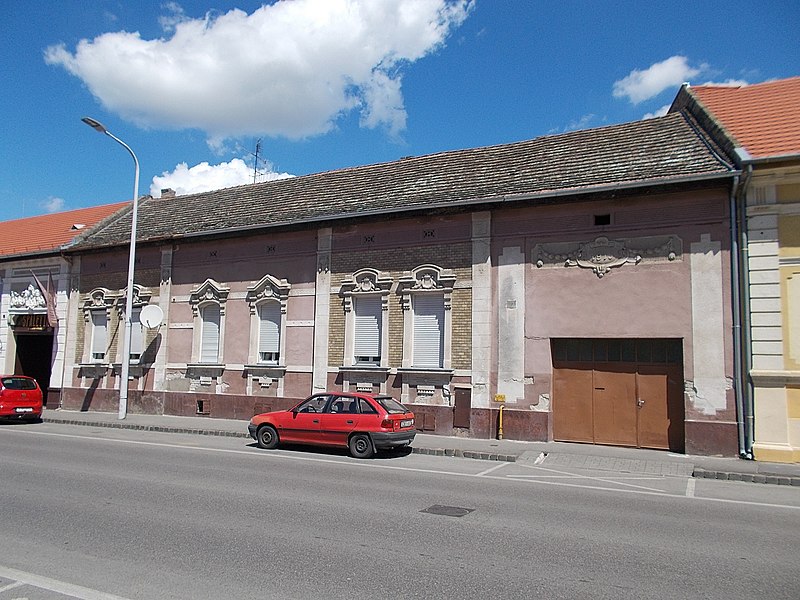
[{"x": 191, "y": 86}]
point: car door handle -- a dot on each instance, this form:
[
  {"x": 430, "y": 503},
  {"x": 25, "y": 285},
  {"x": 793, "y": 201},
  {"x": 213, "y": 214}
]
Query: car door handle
[
  {"x": 349, "y": 421},
  {"x": 315, "y": 421}
]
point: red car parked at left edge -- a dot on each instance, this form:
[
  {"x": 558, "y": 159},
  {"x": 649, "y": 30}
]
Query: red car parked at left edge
[{"x": 20, "y": 398}]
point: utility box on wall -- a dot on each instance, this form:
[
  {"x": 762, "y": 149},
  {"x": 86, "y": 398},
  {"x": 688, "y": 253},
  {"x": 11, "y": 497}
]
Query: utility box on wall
[{"x": 463, "y": 408}]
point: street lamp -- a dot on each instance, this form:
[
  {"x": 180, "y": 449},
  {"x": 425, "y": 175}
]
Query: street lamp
[{"x": 126, "y": 340}]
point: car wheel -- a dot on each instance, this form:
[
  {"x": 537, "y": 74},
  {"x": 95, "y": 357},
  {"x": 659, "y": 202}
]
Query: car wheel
[
  {"x": 267, "y": 437},
  {"x": 361, "y": 446}
]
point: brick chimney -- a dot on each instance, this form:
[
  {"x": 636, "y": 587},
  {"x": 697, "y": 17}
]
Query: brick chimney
[{"x": 167, "y": 193}]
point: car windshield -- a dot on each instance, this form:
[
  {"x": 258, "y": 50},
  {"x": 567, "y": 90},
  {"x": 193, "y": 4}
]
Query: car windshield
[
  {"x": 19, "y": 383},
  {"x": 391, "y": 405}
]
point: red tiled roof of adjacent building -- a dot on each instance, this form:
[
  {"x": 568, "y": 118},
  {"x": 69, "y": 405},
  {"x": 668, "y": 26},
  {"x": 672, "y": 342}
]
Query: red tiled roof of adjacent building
[
  {"x": 47, "y": 233},
  {"x": 764, "y": 118}
]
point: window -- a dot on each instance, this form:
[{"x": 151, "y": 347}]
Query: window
[
  {"x": 269, "y": 333},
  {"x": 428, "y": 330},
  {"x": 137, "y": 333},
  {"x": 365, "y": 296},
  {"x": 99, "y": 335},
  {"x": 426, "y": 296},
  {"x": 267, "y": 301},
  {"x": 367, "y": 334},
  {"x": 209, "y": 333}
]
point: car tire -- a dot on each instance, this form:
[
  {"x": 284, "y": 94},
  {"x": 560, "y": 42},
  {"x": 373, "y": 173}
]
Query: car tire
[
  {"x": 267, "y": 437},
  {"x": 360, "y": 446}
]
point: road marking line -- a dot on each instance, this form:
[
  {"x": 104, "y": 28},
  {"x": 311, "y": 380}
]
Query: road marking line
[
  {"x": 579, "y": 476},
  {"x": 54, "y": 585},
  {"x": 11, "y": 586},
  {"x": 278, "y": 454},
  {"x": 491, "y": 469},
  {"x": 690, "y": 487}
]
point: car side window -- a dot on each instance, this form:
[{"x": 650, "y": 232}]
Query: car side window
[
  {"x": 343, "y": 405},
  {"x": 315, "y": 404},
  {"x": 366, "y": 408}
]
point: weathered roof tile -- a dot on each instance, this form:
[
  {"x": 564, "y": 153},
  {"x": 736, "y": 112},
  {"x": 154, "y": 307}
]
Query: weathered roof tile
[{"x": 640, "y": 153}]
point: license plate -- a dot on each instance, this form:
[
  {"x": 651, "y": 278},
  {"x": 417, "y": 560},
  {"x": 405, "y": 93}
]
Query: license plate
[
  {"x": 23, "y": 410},
  {"x": 407, "y": 423}
]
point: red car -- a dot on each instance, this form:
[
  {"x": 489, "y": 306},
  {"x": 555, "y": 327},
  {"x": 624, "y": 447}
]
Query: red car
[
  {"x": 363, "y": 423},
  {"x": 20, "y": 398}
]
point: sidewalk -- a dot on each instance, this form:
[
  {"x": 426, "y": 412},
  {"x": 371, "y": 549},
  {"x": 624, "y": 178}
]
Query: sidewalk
[{"x": 549, "y": 454}]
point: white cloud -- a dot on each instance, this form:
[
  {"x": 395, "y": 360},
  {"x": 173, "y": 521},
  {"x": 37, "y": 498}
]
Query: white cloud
[
  {"x": 657, "y": 113},
  {"x": 290, "y": 68},
  {"x": 204, "y": 177},
  {"x": 728, "y": 83},
  {"x": 643, "y": 85},
  {"x": 53, "y": 204}
]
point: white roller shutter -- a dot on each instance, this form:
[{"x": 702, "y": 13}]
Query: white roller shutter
[
  {"x": 99, "y": 334},
  {"x": 367, "y": 327},
  {"x": 209, "y": 340},
  {"x": 428, "y": 330},
  {"x": 269, "y": 329},
  {"x": 137, "y": 335}
]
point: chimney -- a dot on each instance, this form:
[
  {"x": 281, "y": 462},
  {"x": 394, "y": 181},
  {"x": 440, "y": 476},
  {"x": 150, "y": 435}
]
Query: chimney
[{"x": 167, "y": 193}]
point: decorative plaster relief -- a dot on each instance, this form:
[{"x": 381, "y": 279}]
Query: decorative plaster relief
[
  {"x": 426, "y": 278},
  {"x": 602, "y": 254},
  {"x": 209, "y": 291},
  {"x": 30, "y": 297},
  {"x": 141, "y": 297},
  {"x": 268, "y": 287},
  {"x": 366, "y": 281}
]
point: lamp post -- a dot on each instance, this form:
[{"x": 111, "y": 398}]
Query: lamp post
[{"x": 126, "y": 340}]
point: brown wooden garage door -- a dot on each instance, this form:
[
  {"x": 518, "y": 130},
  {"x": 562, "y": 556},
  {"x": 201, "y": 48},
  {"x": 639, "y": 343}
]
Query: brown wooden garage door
[{"x": 622, "y": 392}]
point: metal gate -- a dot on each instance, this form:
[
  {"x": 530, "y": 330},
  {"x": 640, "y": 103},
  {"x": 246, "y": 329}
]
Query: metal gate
[{"x": 619, "y": 392}]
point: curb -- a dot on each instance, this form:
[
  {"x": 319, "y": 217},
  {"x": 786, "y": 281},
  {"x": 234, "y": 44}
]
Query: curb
[{"x": 747, "y": 477}]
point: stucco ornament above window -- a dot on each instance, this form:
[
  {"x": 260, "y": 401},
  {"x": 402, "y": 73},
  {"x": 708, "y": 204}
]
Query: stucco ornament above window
[
  {"x": 602, "y": 255},
  {"x": 426, "y": 278},
  {"x": 268, "y": 288},
  {"x": 366, "y": 281},
  {"x": 30, "y": 297},
  {"x": 209, "y": 291},
  {"x": 141, "y": 296},
  {"x": 100, "y": 298}
]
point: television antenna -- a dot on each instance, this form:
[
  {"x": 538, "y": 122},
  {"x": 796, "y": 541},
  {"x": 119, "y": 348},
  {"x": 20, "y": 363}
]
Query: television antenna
[{"x": 256, "y": 159}]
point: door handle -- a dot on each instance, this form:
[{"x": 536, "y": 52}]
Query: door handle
[
  {"x": 315, "y": 421},
  {"x": 639, "y": 402},
  {"x": 349, "y": 421}
]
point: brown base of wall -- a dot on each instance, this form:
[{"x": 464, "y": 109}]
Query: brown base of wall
[{"x": 709, "y": 438}]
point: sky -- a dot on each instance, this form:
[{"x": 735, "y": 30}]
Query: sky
[{"x": 197, "y": 88}]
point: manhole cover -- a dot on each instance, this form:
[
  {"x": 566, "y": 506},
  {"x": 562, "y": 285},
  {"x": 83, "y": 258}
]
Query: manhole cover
[{"x": 447, "y": 511}]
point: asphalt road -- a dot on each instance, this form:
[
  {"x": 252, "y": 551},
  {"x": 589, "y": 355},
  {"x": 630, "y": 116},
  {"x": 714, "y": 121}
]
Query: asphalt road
[{"x": 96, "y": 513}]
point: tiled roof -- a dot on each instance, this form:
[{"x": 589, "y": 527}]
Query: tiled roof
[
  {"x": 641, "y": 153},
  {"x": 764, "y": 118},
  {"x": 47, "y": 233}
]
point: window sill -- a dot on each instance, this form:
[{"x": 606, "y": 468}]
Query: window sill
[
  {"x": 260, "y": 369},
  {"x": 94, "y": 370},
  {"x": 425, "y": 371},
  {"x": 364, "y": 368},
  {"x": 195, "y": 370}
]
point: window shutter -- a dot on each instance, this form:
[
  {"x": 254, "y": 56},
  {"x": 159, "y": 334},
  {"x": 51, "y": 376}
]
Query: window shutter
[
  {"x": 367, "y": 326},
  {"x": 209, "y": 341},
  {"x": 137, "y": 335},
  {"x": 269, "y": 334},
  {"x": 99, "y": 333},
  {"x": 428, "y": 330}
]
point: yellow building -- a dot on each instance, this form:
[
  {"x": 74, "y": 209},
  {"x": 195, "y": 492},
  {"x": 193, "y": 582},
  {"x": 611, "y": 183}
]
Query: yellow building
[{"x": 761, "y": 125}]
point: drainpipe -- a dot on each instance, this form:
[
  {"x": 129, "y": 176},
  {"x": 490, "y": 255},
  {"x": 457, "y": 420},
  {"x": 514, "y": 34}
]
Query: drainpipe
[{"x": 740, "y": 265}]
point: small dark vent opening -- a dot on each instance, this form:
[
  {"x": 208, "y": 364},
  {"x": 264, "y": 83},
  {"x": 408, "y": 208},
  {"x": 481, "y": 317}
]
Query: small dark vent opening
[{"x": 600, "y": 220}]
